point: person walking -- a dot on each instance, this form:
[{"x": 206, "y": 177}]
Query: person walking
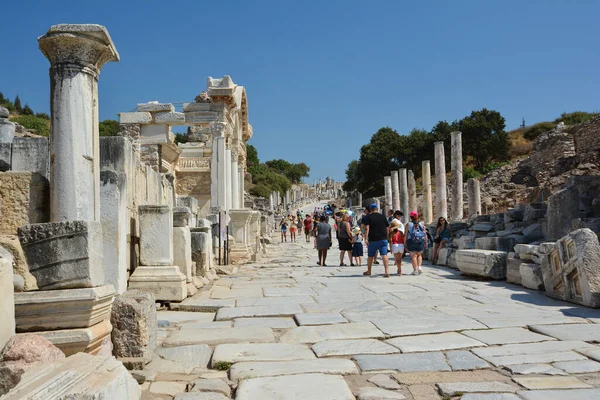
[
  {"x": 307, "y": 227},
  {"x": 416, "y": 241},
  {"x": 357, "y": 246},
  {"x": 443, "y": 235},
  {"x": 283, "y": 226},
  {"x": 293, "y": 229},
  {"x": 345, "y": 239},
  {"x": 323, "y": 239},
  {"x": 396, "y": 238},
  {"x": 376, "y": 232}
]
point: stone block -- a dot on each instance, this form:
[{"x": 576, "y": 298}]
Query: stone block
[
  {"x": 196, "y": 107},
  {"x": 534, "y": 211},
  {"x": 12, "y": 247},
  {"x": 531, "y": 276},
  {"x": 62, "y": 309},
  {"x": 182, "y": 251},
  {"x": 7, "y": 129},
  {"x": 154, "y": 106},
  {"x": 134, "y": 323},
  {"x": 513, "y": 269},
  {"x": 198, "y": 117},
  {"x": 88, "y": 340},
  {"x": 444, "y": 255},
  {"x": 563, "y": 208},
  {"x": 513, "y": 215},
  {"x": 533, "y": 232},
  {"x": 592, "y": 223},
  {"x": 181, "y": 216},
  {"x": 5, "y": 156},
  {"x": 165, "y": 283},
  {"x": 7, "y": 306},
  {"x": 290, "y": 387},
  {"x": 169, "y": 118},
  {"x": 24, "y": 199},
  {"x": 135, "y": 118},
  {"x": 155, "y": 134},
  {"x": 64, "y": 255},
  {"x": 81, "y": 376},
  {"x": 506, "y": 243},
  {"x": 31, "y": 155},
  {"x": 570, "y": 270},
  {"x": 156, "y": 235},
  {"x": 485, "y": 263},
  {"x": 202, "y": 252}
]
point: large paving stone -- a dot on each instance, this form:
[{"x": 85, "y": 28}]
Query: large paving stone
[
  {"x": 185, "y": 337},
  {"x": 455, "y": 388},
  {"x": 419, "y": 326},
  {"x": 506, "y": 336},
  {"x": 260, "y": 352},
  {"x": 403, "y": 362},
  {"x": 550, "y": 382},
  {"x": 183, "y": 316},
  {"x": 578, "y": 367},
  {"x": 281, "y": 310},
  {"x": 584, "y": 332},
  {"x": 375, "y": 393},
  {"x": 579, "y": 394},
  {"x": 351, "y": 347},
  {"x": 314, "y": 334},
  {"x": 268, "y": 322},
  {"x": 211, "y": 385},
  {"x": 384, "y": 382},
  {"x": 335, "y": 366},
  {"x": 293, "y": 291},
  {"x": 201, "y": 396},
  {"x": 462, "y": 360},
  {"x": 220, "y": 292},
  {"x": 442, "y": 341},
  {"x": 319, "y": 319},
  {"x": 345, "y": 306},
  {"x": 193, "y": 356},
  {"x": 534, "y": 369},
  {"x": 295, "y": 387},
  {"x": 490, "y": 396},
  {"x": 269, "y": 301},
  {"x": 202, "y": 305},
  {"x": 534, "y": 353}
]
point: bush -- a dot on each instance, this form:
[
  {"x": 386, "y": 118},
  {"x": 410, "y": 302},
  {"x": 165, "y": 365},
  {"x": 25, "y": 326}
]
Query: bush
[
  {"x": 534, "y": 131},
  {"x": 492, "y": 166},
  {"x": 470, "y": 172},
  {"x": 109, "y": 127},
  {"x": 40, "y": 126},
  {"x": 42, "y": 115},
  {"x": 576, "y": 117}
]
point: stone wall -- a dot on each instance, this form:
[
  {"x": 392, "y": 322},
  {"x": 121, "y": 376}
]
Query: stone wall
[{"x": 24, "y": 199}]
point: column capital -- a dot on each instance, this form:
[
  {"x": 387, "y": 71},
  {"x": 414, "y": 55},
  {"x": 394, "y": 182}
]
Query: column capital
[{"x": 78, "y": 45}]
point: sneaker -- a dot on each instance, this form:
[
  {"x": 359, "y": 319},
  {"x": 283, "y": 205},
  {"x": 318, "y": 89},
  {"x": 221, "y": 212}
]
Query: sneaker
[
  {"x": 414, "y": 273},
  {"x": 376, "y": 262},
  {"x": 420, "y": 271}
]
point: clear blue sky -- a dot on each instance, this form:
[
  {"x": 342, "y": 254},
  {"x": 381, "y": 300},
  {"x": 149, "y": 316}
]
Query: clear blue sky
[{"x": 323, "y": 76}]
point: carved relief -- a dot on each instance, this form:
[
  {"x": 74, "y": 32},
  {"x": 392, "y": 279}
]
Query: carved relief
[
  {"x": 203, "y": 97},
  {"x": 194, "y": 162}
]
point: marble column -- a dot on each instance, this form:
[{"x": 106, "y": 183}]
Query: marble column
[
  {"x": 271, "y": 202},
  {"x": 404, "y": 206},
  {"x": 441, "y": 203},
  {"x": 242, "y": 185},
  {"x": 474, "y": 197},
  {"x": 360, "y": 200},
  {"x": 457, "y": 175},
  {"x": 395, "y": 191},
  {"x": 76, "y": 54},
  {"x": 235, "y": 181},
  {"x": 427, "y": 206},
  {"x": 412, "y": 191},
  {"x": 387, "y": 185},
  {"x": 218, "y": 171},
  {"x": 228, "y": 180}
]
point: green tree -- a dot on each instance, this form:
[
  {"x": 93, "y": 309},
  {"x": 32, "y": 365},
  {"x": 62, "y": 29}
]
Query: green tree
[
  {"x": 251, "y": 156},
  {"x": 484, "y": 138},
  {"x": 294, "y": 172},
  {"x": 27, "y": 110},
  {"x": 40, "y": 126},
  {"x": 2, "y": 98},
  {"x": 353, "y": 176},
  {"x": 109, "y": 127},
  {"x": 377, "y": 158},
  {"x": 42, "y": 115},
  {"x": 18, "y": 106}
]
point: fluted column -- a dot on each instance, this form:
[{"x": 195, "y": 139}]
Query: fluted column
[
  {"x": 404, "y": 206},
  {"x": 441, "y": 202},
  {"x": 395, "y": 191},
  {"x": 412, "y": 191},
  {"x": 427, "y": 205},
  {"x": 457, "y": 175},
  {"x": 474, "y": 197},
  {"x": 387, "y": 185}
]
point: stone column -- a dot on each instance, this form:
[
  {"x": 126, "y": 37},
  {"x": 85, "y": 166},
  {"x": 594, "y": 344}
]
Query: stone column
[
  {"x": 441, "y": 204},
  {"x": 387, "y": 185},
  {"x": 271, "y": 202},
  {"x": 474, "y": 197},
  {"x": 7, "y": 300},
  {"x": 229, "y": 180},
  {"x": 235, "y": 182},
  {"x": 457, "y": 175},
  {"x": 182, "y": 246},
  {"x": 412, "y": 191},
  {"x": 427, "y": 206},
  {"x": 7, "y": 128},
  {"x": 76, "y": 54},
  {"x": 239, "y": 230},
  {"x": 360, "y": 199},
  {"x": 395, "y": 191},
  {"x": 404, "y": 206},
  {"x": 218, "y": 170},
  {"x": 242, "y": 185}
]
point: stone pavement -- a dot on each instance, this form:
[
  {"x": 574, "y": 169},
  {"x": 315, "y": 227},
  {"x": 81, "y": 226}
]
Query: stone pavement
[{"x": 285, "y": 328}]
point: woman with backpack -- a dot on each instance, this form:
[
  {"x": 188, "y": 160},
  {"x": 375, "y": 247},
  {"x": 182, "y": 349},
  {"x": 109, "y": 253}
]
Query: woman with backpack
[{"x": 416, "y": 241}]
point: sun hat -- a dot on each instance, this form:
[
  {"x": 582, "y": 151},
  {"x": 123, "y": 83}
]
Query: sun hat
[
  {"x": 414, "y": 213},
  {"x": 395, "y": 224},
  {"x": 355, "y": 230}
]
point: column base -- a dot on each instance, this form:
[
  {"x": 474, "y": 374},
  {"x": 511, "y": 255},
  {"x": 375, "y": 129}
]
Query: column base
[
  {"x": 165, "y": 283},
  {"x": 92, "y": 340}
]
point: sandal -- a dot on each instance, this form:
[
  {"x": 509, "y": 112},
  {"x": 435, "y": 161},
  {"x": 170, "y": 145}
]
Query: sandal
[
  {"x": 367, "y": 273},
  {"x": 386, "y": 276}
]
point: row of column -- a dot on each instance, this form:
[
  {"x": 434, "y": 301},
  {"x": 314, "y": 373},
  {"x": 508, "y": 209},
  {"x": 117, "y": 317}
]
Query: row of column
[
  {"x": 401, "y": 191},
  {"x": 227, "y": 176}
]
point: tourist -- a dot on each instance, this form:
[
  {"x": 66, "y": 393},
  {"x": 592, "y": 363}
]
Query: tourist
[
  {"x": 344, "y": 237},
  {"x": 300, "y": 224},
  {"x": 357, "y": 246},
  {"x": 443, "y": 235},
  {"x": 283, "y": 224},
  {"x": 323, "y": 239},
  {"x": 293, "y": 229},
  {"x": 390, "y": 216},
  {"x": 416, "y": 241},
  {"x": 396, "y": 238},
  {"x": 398, "y": 218},
  {"x": 376, "y": 233},
  {"x": 308, "y": 222}
]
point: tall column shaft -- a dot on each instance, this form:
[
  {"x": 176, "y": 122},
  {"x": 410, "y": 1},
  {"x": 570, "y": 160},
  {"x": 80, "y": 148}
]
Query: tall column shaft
[
  {"x": 228, "y": 180},
  {"x": 427, "y": 206},
  {"x": 457, "y": 175},
  {"x": 395, "y": 191},
  {"x": 235, "y": 184},
  {"x": 474, "y": 197},
  {"x": 441, "y": 202},
  {"x": 218, "y": 197},
  {"x": 242, "y": 185},
  {"x": 412, "y": 191},
  {"x": 387, "y": 186},
  {"x": 404, "y": 206}
]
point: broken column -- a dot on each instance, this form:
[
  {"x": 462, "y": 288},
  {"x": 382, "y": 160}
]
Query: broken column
[
  {"x": 156, "y": 273},
  {"x": 441, "y": 203},
  {"x": 182, "y": 246},
  {"x": 202, "y": 248},
  {"x": 7, "y": 133},
  {"x": 395, "y": 191},
  {"x": 387, "y": 186},
  {"x": 474, "y": 197},
  {"x": 457, "y": 175},
  {"x": 239, "y": 227},
  {"x": 412, "y": 191},
  {"x": 427, "y": 202},
  {"x": 404, "y": 206}
]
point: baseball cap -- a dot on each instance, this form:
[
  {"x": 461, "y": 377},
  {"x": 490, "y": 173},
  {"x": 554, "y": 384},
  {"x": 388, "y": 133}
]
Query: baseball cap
[
  {"x": 414, "y": 214},
  {"x": 374, "y": 206}
]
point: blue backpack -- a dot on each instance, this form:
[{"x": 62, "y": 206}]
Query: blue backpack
[{"x": 416, "y": 234}]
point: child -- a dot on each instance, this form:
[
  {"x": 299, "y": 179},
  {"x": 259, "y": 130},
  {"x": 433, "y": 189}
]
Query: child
[{"x": 357, "y": 247}]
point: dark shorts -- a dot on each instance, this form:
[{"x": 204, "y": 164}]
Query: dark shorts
[
  {"x": 378, "y": 245},
  {"x": 345, "y": 244},
  {"x": 413, "y": 247},
  {"x": 357, "y": 250}
]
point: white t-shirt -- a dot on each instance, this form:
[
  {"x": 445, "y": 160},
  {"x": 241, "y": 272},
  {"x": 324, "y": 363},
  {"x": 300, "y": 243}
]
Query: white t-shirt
[{"x": 401, "y": 227}]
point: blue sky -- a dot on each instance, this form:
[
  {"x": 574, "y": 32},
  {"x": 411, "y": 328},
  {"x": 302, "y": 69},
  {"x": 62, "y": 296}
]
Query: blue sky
[{"x": 323, "y": 76}]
